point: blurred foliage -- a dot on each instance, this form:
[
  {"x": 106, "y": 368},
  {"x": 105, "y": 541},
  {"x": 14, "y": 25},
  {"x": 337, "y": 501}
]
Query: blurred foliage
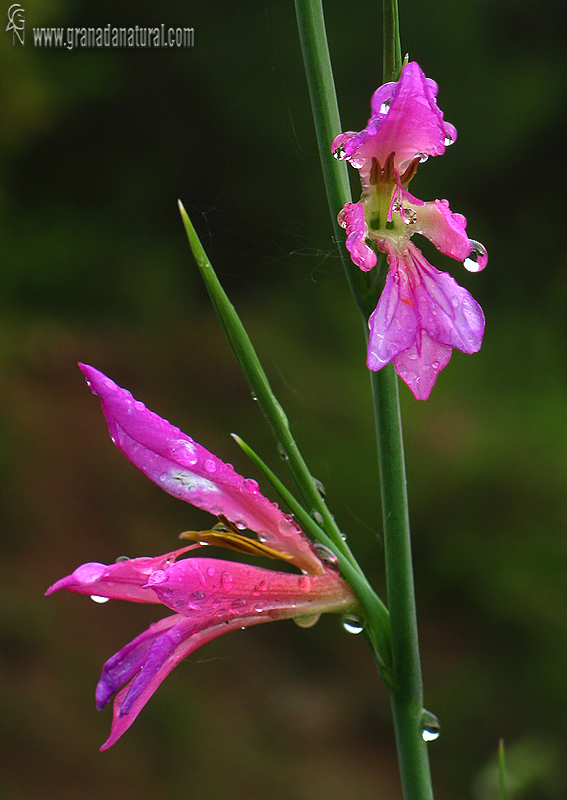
[{"x": 95, "y": 148}]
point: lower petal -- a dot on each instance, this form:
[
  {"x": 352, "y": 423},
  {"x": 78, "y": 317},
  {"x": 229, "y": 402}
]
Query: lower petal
[
  {"x": 419, "y": 365},
  {"x": 394, "y": 323}
]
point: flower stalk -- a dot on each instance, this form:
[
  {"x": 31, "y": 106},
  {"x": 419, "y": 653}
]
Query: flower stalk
[{"x": 407, "y": 696}]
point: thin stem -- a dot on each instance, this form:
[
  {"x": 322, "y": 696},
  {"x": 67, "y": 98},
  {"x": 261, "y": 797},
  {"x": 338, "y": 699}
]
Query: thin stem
[
  {"x": 392, "y": 46},
  {"x": 407, "y": 697}
]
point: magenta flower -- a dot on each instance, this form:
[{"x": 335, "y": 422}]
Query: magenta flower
[
  {"x": 422, "y": 313},
  {"x": 209, "y": 596}
]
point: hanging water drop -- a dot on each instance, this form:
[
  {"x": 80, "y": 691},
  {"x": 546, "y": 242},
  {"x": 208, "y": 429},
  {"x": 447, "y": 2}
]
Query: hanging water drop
[
  {"x": 430, "y": 727},
  {"x": 477, "y": 258},
  {"x": 99, "y": 598},
  {"x": 385, "y": 107},
  {"x": 307, "y": 622},
  {"x": 423, "y": 157},
  {"x": 339, "y": 153},
  {"x": 448, "y": 140},
  {"x": 352, "y": 623},
  {"x": 320, "y": 487},
  {"x": 318, "y": 517},
  {"x": 122, "y": 558}
]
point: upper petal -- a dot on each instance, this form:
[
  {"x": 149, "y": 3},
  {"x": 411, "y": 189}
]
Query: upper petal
[
  {"x": 405, "y": 120},
  {"x": 187, "y": 470}
]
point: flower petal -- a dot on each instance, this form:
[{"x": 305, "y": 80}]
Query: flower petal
[
  {"x": 394, "y": 323},
  {"x": 412, "y": 125},
  {"x": 447, "y": 311},
  {"x": 211, "y": 597},
  {"x": 446, "y": 230},
  {"x": 187, "y": 470},
  {"x": 419, "y": 365},
  {"x": 125, "y": 580}
]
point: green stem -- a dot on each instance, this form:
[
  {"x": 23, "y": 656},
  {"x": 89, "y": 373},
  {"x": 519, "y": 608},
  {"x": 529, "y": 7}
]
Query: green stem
[
  {"x": 392, "y": 46},
  {"x": 407, "y": 697}
]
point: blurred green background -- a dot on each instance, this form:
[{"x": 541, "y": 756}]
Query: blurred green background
[{"x": 95, "y": 148}]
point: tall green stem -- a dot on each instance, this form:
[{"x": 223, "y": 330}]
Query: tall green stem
[{"x": 407, "y": 696}]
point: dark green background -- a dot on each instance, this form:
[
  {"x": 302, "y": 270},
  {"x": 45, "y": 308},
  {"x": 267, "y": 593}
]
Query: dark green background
[{"x": 95, "y": 148}]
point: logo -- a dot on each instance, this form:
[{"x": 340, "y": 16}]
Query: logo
[{"x": 16, "y": 23}]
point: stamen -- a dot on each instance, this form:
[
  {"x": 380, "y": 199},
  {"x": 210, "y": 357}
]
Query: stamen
[
  {"x": 375, "y": 172},
  {"x": 410, "y": 172},
  {"x": 389, "y": 171}
]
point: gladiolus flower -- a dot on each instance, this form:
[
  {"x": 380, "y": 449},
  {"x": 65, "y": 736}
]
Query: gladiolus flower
[
  {"x": 208, "y": 596},
  {"x": 422, "y": 313}
]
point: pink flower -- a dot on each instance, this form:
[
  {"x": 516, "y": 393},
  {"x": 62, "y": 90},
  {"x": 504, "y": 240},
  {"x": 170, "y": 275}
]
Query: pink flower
[
  {"x": 422, "y": 313},
  {"x": 209, "y": 596}
]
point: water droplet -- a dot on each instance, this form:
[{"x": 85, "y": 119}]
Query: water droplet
[
  {"x": 282, "y": 453},
  {"x": 423, "y": 157},
  {"x": 251, "y": 485},
  {"x": 477, "y": 258},
  {"x": 320, "y": 487},
  {"x": 326, "y": 555},
  {"x": 157, "y": 577},
  {"x": 226, "y": 581},
  {"x": 89, "y": 573},
  {"x": 139, "y": 406},
  {"x": 121, "y": 558},
  {"x": 396, "y": 206},
  {"x": 185, "y": 452},
  {"x": 99, "y": 599},
  {"x": 385, "y": 107},
  {"x": 240, "y": 602},
  {"x": 352, "y": 623},
  {"x": 254, "y": 397},
  {"x": 210, "y": 466},
  {"x": 263, "y": 586},
  {"x": 448, "y": 140},
  {"x": 435, "y": 365},
  {"x": 341, "y": 219},
  {"x": 196, "y": 599},
  {"x": 409, "y": 216},
  {"x": 430, "y": 727},
  {"x": 308, "y": 621},
  {"x": 304, "y": 583},
  {"x": 210, "y": 572},
  {"x": 339, "y": 153},
  {"x": 318, "y": 517}
]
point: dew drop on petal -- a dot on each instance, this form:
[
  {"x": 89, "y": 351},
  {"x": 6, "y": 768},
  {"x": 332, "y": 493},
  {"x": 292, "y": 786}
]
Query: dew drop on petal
[
  {"x": 423, "y": 157},
  {"x": 448, "y": 140},
  {"x": 385, "y": 107},
  {"x": 251, "y": 485},
  {"x": 339, "y": 153},
  {"x": 352, "y": 623},
  {"x": 304, "y": 583},
  {"x": 210, "y": 466},
  {"x": 477, "y": 258},
  {"x": 409, "y": 216},
  {"x": 308, "y": 621},
  {"x": 89, "y": 573},
  {"x": 157, "y": 577},
  {"x": 99, "y": 598},
  {"x": 122, "y": 558},
  {"x": 226, "y": 581}
]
